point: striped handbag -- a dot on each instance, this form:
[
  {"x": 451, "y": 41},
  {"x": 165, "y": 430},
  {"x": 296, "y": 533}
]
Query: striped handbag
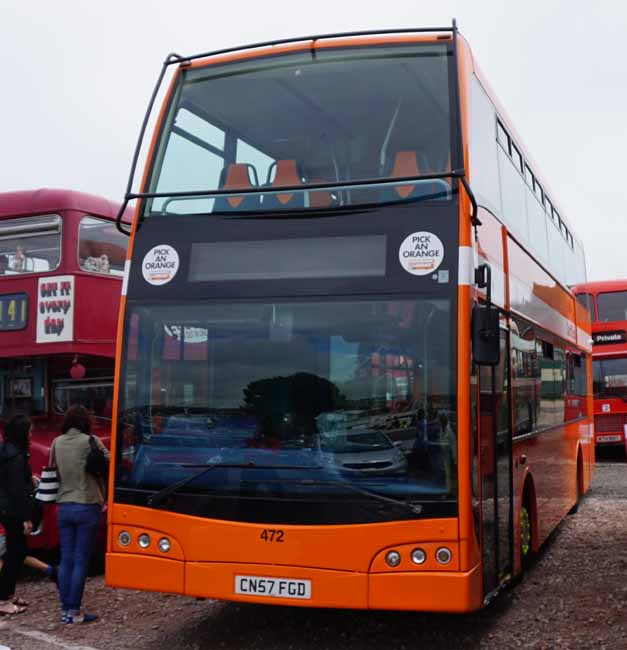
[{"x": 49, "y": 482}]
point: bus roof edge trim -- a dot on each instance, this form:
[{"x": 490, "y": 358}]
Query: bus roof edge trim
[{"x": 176, "y": 58}]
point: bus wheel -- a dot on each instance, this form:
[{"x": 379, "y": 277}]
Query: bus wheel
[
  {"x": 525, "y": 535},
  {"x": 575, "y": 508}
]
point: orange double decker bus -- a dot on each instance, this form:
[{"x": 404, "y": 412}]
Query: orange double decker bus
[
  {"x": 606, "y": 302},
  {"x": 346, "y": 334}
]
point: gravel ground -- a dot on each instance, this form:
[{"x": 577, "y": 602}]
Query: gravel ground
[{"x": 574, "y": 597}]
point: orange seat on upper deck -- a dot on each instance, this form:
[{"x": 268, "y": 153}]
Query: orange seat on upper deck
[
  {"x": 286, "y": 173},
  {"x": 233, "y": 177}
]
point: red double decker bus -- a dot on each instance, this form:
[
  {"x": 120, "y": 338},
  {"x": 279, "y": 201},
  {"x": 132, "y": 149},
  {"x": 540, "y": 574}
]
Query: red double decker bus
[
  {"x": 607, "y": 303},
  {"x": 61, "y": 268}
]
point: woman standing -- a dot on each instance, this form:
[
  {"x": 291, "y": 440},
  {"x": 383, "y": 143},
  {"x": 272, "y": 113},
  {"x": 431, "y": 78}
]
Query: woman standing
[
  {"x": 16, "y": 487},
  {"x": 80, "y": 500}
]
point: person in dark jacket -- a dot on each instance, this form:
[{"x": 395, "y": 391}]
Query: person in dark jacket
[{"x": 16, "y": 485}]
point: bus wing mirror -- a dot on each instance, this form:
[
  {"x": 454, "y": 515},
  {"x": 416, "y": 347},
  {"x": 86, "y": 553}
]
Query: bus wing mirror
[{"x": 486, "y": 346}]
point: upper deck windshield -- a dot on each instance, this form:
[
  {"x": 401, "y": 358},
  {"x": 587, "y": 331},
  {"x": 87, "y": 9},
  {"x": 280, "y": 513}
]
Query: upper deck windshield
[
  {"x": 612, "y": 306},
  {"x": 318, "y": 117},
  {"x": 312, "y": 400},
  {"x": 30, "y": 245}
]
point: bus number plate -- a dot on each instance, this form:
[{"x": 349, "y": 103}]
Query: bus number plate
[
  {"x": 274, "y": 587},
  {"x": 610, "y": 438}
]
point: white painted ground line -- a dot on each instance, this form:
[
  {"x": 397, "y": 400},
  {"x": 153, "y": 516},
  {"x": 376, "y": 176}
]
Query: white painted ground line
[{"x": 52, "y": 641}]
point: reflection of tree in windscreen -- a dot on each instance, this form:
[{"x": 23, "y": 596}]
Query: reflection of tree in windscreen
[{"x": 286, "y": 407}]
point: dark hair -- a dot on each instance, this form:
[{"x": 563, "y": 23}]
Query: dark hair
[
  {"x": 77, "y": 417},
  {"x": 17, "y": 431}
]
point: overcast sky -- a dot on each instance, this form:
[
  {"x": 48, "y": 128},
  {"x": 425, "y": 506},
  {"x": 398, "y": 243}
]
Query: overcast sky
[{"x": 77, "y": 76}]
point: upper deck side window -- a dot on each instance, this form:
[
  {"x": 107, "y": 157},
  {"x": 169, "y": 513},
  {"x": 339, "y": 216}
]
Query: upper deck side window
[
  {"x": 517, "y": 158},
  {"x": 30, "y": 244},
  {"x": 586, "y": 300},
  {"x": 101, "y": 247},
  {"x": 502, "y": 137},
  {"x": 529, "y": 176},
  {"x": 374, "y": 113}
]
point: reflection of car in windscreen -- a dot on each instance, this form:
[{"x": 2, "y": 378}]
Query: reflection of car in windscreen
[{"x": 363, "y": 452}]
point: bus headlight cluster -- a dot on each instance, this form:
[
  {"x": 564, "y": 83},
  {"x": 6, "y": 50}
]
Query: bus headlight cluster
[
  {"x": 419, "y": 556},
  {"x": 144, "y": 541}
]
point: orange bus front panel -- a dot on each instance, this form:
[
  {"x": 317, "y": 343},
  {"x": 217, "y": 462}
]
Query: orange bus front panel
[
  {"x": 130, "y": 571},
  {"x": 452, "y": 591},
  {"x": 429, "y": 591},
  {"x": 348, "y": 548},
  {"x": 339, "y": 589}
]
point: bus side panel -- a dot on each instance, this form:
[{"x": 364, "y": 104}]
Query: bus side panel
[{"x": 96, "y": 310}]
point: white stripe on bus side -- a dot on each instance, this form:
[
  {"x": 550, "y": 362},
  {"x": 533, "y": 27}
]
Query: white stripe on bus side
[
  {"x": 127, "y": 271},
  {"x": 466, "y": 266},
  {"x": 584, "y": 340}
]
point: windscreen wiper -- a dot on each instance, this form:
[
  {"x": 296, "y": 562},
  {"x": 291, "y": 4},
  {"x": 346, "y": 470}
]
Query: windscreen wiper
[
  {"x": 415, "y": 508},
  {"x": 158, "y": 497}
]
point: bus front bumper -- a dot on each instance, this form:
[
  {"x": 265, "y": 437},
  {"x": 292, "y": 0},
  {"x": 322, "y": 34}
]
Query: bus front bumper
[{"x": 419, "y": 591}]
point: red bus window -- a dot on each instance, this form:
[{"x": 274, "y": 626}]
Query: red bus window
[
  {"x": 587, "y": 300},
  {"x": 101, "y": 247},
  {"x": 30, "y": 245},
  {"x": 612, "y": 306}
]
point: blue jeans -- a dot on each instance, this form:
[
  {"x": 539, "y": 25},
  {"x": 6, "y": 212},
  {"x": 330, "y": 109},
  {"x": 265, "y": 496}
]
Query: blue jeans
[{"x": 78, "y": 523}]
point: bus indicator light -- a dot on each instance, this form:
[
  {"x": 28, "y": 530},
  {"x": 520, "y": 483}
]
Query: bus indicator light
[
  {"x": 164, "y": 545},
  {"x": 443, "y": 555},
  {"x": 124, "y": 538},
  {"x": 393, "y": 558},
  {"x": 418, "y": 556},
  {"x": 144, "y": 540}
]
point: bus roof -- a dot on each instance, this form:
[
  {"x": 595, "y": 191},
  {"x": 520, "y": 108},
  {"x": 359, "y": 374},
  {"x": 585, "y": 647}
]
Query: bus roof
[
  {"x": 601, "y": 286},
  {"x": 42, "y": 201}
]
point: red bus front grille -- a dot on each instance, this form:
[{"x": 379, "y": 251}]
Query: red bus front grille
[{"x": 612, "y": 423}]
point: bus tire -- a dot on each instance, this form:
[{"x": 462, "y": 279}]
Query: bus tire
[
  {"x": 579, "y": 485},
  {"x": 526, "y": 530}
]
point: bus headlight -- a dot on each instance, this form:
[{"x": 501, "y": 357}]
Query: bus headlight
[
  {"x": 124, "y": 538},
  {"x": 144, "y": 540},
  {"x": 164, "y": 545},
  {"x": 418, "y": 556},
  {"x": 443, "y": 555},
  {"x": 393, "y": 558}
]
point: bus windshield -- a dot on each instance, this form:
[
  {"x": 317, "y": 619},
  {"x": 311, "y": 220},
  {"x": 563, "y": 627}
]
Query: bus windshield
[
  {"x": 612, "y": 306},
  {"x": 610, "y": 378},
  {"x": 356, "y": 393},
  {"x": 315, "y": 118}
]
